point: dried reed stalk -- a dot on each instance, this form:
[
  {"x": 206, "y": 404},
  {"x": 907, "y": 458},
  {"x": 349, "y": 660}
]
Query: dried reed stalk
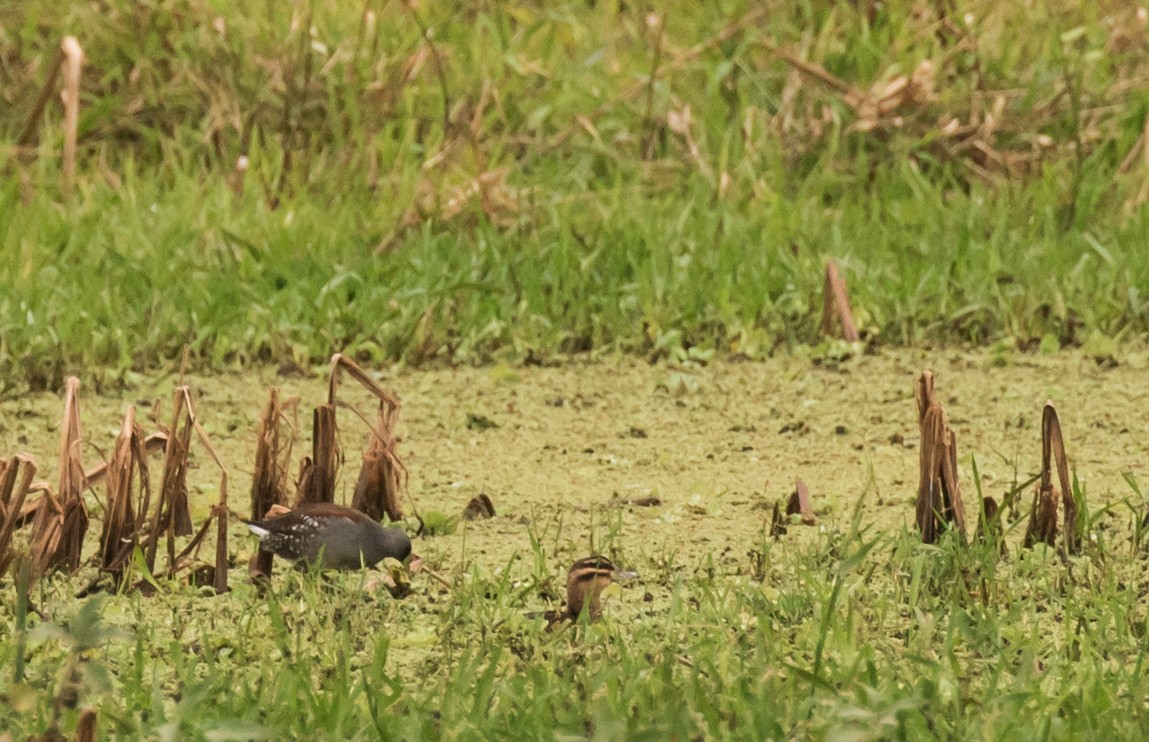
[
  {"x": 61, "y": 521},
  {"x": 929, "y": 503},
  {"x": 955, "y": 509},
  {"x": 317, "y": 473},
  {"x": 1043, "y": 517},
  {"x": 28, "y": 133},
  {"x": 269, "y": 482},
  {"x": 98, "y": 473},
  {"x": 836, "y": 305},
  {"x": 219, "y": 513},
  {"x": 47, "y": 533},
  {"x": 73, "y": 62},
  {"x": 382, "y": 477},
  {"x": 777, "y": 522},
  {"x": 15, "y": 479},
  {"x": 1042, "y": 526},
  {"x": 73, "y": 482},
  {"x": 924, "y": 393},
  {"x": 92, "y": 477},
  {"x": 120, "y": 532},
  {"x": 799, "y": 504},
  {"x": 939, "y": 496},
  {"x": 172, "y": 515}
]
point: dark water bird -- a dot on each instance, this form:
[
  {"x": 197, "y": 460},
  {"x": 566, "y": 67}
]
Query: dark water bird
[
  {"x": 586, "y": 581},
  {"x": 332, "y": 536}
]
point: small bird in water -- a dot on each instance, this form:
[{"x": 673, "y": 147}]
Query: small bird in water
[
  {"x": 587, "y": 580},
  {"x": 332, "y": 536}
]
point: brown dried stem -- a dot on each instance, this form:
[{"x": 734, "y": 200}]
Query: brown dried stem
[
  {"x": 1042, "y": 526},
  {"x": 61, "y": 520},
  {"x": 15, "y": 480},
  {"x": 989, "y": 527},
  {"x": 382, "y": 475},
  {"x": 777, "y": 522},
  {"x": 939, "y": 496},
  {"x": 72, "y": 480},
  {"x": 955, "y": 510},
  {"x": 929, "y": 504},
  {"x": 269, "y": 481},
  {"x": 836, "y": 305},
  {"x": 355, "y": 371},
  {"x": 98, "y": 473},
  {"x": 92, "y": 477},
  {"x": 219, "y": 512},
  {"x": 1043, "y": 517},
  {"x": 799, "y": 504},
  {"x": 317, "y": 473},
  {"x": 29, "y": 131},
  {"x": 120, "y": 532},
  {"x": 924, "y": 393},
  {"x": 86, "y": 726},
  {"x": 172, "y": 515}
]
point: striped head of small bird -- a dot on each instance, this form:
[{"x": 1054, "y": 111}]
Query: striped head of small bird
[{"x": 587, "y": 581}]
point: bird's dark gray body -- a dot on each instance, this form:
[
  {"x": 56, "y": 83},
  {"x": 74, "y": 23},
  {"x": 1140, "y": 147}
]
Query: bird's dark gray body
[{"x": 331, "y": 536}]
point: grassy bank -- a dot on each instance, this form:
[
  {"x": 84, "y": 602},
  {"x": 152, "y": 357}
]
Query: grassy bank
[{"x": 469, "y": 181}]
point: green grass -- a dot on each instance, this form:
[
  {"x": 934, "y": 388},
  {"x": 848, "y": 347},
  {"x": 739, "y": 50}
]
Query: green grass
[
  {"x": 847, "y": 635},
  {"x": 642, "y": 194}
]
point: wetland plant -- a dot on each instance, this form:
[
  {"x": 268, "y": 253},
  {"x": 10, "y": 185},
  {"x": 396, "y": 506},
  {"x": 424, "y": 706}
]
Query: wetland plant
[
  {"x": 61, "y": 520},
  {"x": 269, "y": 477},
  {"x": 15, "y": 480},
  {"x": 939, "y": 498},
  {"x": 1042, "y": 526}
]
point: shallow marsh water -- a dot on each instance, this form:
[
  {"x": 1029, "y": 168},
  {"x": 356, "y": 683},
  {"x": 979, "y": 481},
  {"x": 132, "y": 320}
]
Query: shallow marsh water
[{"x": 714, "y": 444}]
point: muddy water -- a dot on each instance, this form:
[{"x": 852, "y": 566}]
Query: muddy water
[{"x": 561, "y": 450}]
